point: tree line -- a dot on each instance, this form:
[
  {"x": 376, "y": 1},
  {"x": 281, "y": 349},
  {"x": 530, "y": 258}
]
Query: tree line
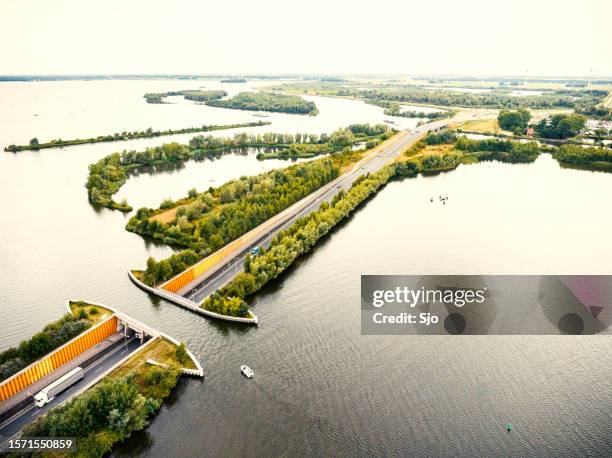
[
  {"x": 563, "y": 98},
  {"x": 561, "y": 126},
  {"x": 125, "y": 135},
  {"x": 264, "y": 101},
  {"x": 110, "y": 173},
  {"x": 578, "y": 155},
  {"x": 196, "y": 95},
  {"x": 52, "y": 336}
]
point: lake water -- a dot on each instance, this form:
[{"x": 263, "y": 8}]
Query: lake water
[{"x": 320, "y": 388}]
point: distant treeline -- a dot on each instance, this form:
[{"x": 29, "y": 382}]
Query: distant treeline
[
  {"x": 122, "y": 136},
  {"x": 263, "y": 101},
  {"x": 558, "y": 99},
  {"x": 595, "y": 111},
  {"x": 196, "y": 95},
  {"x": 234, "y": 80},
  {"x": 565, "y": 98}
]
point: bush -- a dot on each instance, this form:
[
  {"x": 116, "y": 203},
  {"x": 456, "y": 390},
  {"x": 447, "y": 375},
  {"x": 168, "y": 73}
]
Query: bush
[
  {"x": 181, "y": 354},
  {"x": 442, "y": 137},
  {"x": 561, "y": 126},
  {"x": 514, "y": 121},
  {"x": 107, "y": 413},
  {"x": 167, "y": 203}
]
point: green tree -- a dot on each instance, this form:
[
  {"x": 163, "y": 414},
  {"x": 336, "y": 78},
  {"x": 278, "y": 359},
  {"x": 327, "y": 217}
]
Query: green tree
[
  {"x": 514, "y": 121},
  {"x": 181, "y": 354}
]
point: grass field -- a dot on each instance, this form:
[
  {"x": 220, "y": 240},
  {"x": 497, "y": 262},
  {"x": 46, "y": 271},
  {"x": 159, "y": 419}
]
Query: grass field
[
  {"x": 94, "y": 313},
  {"x": 167, "y": 216},
  {"x": 161, "y": 351},
  {"x": 484, "y": 126}
]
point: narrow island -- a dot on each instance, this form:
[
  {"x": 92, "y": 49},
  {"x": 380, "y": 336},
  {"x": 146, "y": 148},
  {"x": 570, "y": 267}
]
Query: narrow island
[
  {"x": 265, "y": 101},
  {"x": 122, "y": 136},
  {"x": 195, "y": 95}
]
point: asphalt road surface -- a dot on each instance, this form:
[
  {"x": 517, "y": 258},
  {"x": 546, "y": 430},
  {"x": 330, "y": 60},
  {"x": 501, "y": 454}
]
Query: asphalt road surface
[{"x": 15, "y": 424}]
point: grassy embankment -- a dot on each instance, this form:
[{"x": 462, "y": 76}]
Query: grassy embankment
[{"x": 93, "y": 313}]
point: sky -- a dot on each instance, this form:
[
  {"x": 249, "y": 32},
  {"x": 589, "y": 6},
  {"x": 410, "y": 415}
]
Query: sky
[{"x": 483, "y": 37}]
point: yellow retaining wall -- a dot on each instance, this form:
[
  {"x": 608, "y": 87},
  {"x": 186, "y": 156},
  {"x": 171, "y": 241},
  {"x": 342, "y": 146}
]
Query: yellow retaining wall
[
  {"x": 55, "y": 359},
  {"x": 198, "y": 269}
]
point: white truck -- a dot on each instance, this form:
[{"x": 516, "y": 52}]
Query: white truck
[{"x": 48, "y": 393}]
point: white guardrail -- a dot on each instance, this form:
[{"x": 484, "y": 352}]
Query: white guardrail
[
  {"x": 199, "y": 372},
  {"x": 186, "y": 303}
]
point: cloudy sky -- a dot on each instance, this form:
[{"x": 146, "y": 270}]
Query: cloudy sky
[{"x": 537, "y": 37}]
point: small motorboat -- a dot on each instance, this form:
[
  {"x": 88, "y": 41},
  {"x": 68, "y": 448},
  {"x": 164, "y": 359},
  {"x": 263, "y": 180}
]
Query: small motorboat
[{"x": 246, "y": 371}]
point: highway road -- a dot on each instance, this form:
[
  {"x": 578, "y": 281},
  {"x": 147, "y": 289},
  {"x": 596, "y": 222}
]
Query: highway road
[
  {"x": 234, "y": 264},
  {"x": 17, "y": 422}
]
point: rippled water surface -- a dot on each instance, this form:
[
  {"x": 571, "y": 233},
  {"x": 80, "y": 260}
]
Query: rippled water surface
[{"x": 320, "y": 388}]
